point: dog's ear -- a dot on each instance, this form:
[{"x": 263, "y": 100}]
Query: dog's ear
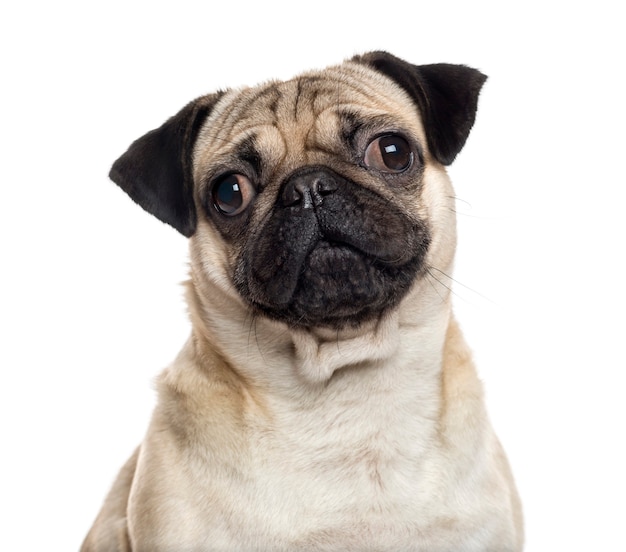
[
  {"x": 156, "y": 169},
  {"x": 447, "y": 97}
]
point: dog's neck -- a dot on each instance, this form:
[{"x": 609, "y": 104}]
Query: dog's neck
[
  {"x": 272, "y": 355},
  {"x": 319, "y": 353}
]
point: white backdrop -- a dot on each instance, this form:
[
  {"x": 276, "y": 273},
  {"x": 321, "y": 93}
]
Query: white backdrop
[{"x": 90, "y": 303}]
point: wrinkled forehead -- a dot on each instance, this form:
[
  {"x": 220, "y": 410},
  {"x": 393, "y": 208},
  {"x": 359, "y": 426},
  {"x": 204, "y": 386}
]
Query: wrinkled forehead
[{"x": 305, "y": 113}]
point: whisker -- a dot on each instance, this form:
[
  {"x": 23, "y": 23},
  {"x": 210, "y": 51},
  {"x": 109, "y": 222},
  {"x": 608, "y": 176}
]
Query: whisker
[
  {"x": 468, "y": 215},
  {"x": 439, "y": 282},
  {"x": 252, "y": 329},
  {"x": 250, "y": 319},
  {"x": 460, "y": 284},
  {"x": 458, "y": 199},
  {"x": 256, "y": 338}
]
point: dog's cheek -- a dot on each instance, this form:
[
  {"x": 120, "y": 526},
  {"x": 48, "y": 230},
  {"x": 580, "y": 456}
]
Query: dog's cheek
[
  {"x": 437, "y": 208},
  {"x": 212, "y": 260}
]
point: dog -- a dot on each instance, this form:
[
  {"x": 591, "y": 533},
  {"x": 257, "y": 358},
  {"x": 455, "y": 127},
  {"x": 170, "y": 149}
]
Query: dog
[{"x": 326, "y": 399}]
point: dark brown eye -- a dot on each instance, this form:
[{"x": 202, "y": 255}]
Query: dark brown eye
[
  {"x": 232, "y": 194},
  {"x": 390, "y": 153}
]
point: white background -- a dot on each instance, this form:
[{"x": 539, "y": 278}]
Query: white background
[{"x": 90, "y": 303}]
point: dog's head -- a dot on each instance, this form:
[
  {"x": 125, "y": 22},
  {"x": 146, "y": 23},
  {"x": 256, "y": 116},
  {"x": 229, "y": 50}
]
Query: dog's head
[{"x": 318, "y": 201}]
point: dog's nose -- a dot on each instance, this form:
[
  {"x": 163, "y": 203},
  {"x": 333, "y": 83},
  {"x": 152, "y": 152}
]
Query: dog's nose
[{"x": 308, "y": 188}]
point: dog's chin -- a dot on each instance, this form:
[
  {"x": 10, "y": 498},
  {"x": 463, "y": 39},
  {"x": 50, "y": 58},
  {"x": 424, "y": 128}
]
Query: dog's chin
[{"x": 338, "y": 287}]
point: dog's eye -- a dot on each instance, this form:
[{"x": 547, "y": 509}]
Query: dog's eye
[
  {"x": 232, "y": 194},
  {"x": 389, "y": 153}
]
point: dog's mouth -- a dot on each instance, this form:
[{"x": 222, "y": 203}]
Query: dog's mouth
[
  {"x": 336, "y": 285},
  {"x": 346, "y": 261},
  {"x": 336, "y": 282}
]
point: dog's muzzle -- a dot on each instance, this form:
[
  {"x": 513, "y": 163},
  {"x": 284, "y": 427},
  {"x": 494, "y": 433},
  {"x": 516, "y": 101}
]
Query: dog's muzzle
[{"x": 331, "y": 253}]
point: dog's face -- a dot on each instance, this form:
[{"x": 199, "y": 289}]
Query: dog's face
[
  {"x": 316, "y": 191},
  {"x": 318, "y": 201}
]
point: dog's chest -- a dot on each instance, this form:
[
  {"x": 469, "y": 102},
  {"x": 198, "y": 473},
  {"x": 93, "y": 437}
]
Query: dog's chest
[{"x": 356, "y": 466}]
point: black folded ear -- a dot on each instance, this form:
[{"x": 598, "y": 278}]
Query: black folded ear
[
  {"x": 156, "y": 170},
  {"x": 447, "y": 97}
]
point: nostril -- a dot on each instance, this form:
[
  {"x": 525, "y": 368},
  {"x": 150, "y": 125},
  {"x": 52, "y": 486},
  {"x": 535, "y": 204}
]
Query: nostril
[
  {"x": 307, "y": 193},
  {"x": 321, "y": 187},
  {"x": 326, "y": 186},
  {"x": 291, "y": 196}
]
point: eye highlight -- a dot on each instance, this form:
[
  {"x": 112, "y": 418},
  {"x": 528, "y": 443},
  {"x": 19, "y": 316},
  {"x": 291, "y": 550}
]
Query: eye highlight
[
  {"x": 232, "y": 194},
  {"x": 390, "y": 153}
]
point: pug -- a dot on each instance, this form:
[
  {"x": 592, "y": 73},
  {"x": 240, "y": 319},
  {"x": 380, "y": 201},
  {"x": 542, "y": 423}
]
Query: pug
[{"x": 325, "y": 399}]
